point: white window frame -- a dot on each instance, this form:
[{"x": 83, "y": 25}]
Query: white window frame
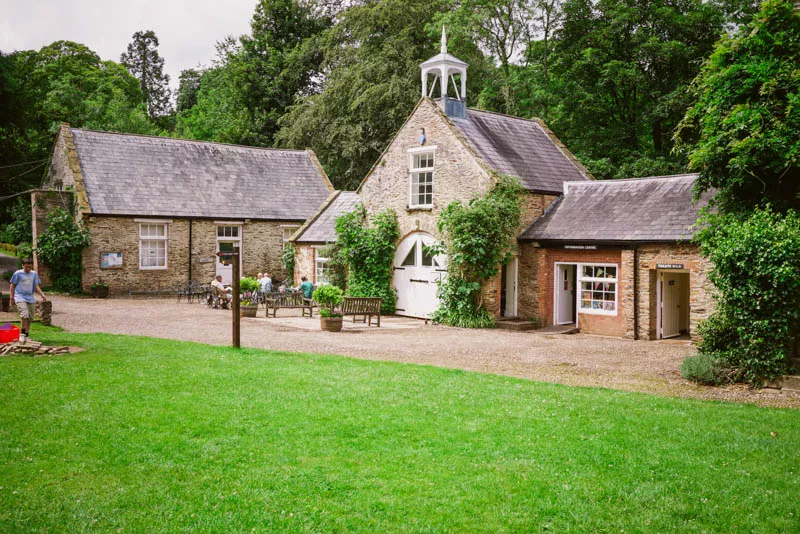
[
  {"x": 284, "y": 228},
  {"x": 579, "y": 289},
  {"x": 317, "y": 260},
  {"x": 415, "y": 171},
  {"x": 164, "y": 239}
]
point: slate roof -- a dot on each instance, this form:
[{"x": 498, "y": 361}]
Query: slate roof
[
  {"x": 522, "y": 148},
  {"x": 157, "y": 176},
  {"x": 657, "y": 210},
  {"x": 322, "y": 227}
]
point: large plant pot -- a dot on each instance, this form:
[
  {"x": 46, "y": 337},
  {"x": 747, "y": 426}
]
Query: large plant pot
[
  {"x": 247, "y": 311},
  {"x": 330, "y": 324},
  {"x": 99, "y": 292}
]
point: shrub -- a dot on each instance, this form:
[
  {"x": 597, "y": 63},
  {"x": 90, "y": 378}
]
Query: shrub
[
  {"x": 248, "y": 284},
  {"x": 756, "y": 264},
  {"x": 367, "y": 247},
  {"x": 287, "y": 261},
  {"x": 60, "y": 248},
  {"x": 328, "y": 297},
  {"x": 478, "y": 238},
  {"x": 708, "y": 369}
]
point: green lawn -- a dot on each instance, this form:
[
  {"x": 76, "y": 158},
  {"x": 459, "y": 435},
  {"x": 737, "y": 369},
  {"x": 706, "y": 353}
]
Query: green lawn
[{"x": 147, "y": 435}]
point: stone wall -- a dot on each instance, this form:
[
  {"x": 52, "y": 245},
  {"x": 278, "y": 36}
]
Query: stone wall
[
  {"x": 304, "y": 263},
  {"x": 262, "y": 243},
  {"x": 701, "y": 290}
]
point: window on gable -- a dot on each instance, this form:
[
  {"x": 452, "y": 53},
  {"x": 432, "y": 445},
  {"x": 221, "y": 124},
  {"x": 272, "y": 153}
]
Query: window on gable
[
  {"x": 152, "y": 246},
  {"x": 421, "y": 187}
]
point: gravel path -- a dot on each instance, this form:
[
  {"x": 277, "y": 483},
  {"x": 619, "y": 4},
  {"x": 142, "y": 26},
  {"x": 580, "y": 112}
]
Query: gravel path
[{"x": 579, "y": 360}]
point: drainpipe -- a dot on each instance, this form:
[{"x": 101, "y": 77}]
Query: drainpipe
[
  {"x": 190, "y": 250},
  {"x": 635, "y": 292}
]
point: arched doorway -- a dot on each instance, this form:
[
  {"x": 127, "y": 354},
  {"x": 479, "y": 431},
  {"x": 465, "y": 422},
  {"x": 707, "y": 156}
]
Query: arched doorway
[{"x": 416, "y": 273}]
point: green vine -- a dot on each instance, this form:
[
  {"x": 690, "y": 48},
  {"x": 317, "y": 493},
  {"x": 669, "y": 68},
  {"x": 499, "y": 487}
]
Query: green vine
[
  {"x": 478, "y": 238},
  {"x": 60, "y": 246},
  {"x": 337, "y": 265},
  {"x": 367, "y": 246},
  {"x": 287, "y": 261}
]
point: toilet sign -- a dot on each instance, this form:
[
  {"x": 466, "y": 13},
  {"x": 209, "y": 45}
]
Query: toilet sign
[{"x": 669, "y": 266}]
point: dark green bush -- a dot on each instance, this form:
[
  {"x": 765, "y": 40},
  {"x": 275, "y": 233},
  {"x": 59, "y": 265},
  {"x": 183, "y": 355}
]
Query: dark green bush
[
  {"x": 60, "y": 248},
  {"x": 756, "y": 264},
  {"x": 708, "y": 369}
]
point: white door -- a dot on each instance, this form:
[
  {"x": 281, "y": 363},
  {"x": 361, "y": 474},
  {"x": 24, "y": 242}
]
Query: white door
[
  {"x": 565, "y": 294},
  {"x": 670, "y": 304},
  {"x": 228, "y": 240},
  {"x": 416, "y": 273},
  {"x": 511, "y": 288}
]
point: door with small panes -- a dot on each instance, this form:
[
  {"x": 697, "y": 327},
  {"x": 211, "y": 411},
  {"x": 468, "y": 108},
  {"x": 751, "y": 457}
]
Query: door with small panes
[{"x": 416, "y": 275}]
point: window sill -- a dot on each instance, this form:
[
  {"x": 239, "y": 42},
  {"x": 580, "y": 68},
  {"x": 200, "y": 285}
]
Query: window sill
[
  {"x": 597, "y": 312},
  {"x": 419, "y": 208},
  {"x": 152, "y": 268}
]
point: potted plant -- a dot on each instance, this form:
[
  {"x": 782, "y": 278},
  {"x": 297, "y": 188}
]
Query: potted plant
[
  {"x": 248, "y": 293},
  {"x": 328, "y": 296},
  {"x": 99, "y": 290}
]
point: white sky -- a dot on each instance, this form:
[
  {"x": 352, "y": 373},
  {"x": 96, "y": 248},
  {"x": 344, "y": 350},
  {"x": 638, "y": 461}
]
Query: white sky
[{"x": 187, "y": 30}]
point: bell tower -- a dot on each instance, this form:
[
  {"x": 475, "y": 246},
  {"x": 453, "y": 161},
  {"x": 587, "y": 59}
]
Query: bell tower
[{"x": 448, "y": 72}]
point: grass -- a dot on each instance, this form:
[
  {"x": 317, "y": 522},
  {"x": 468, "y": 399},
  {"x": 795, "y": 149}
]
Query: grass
[{"x": 148, "y": 435}]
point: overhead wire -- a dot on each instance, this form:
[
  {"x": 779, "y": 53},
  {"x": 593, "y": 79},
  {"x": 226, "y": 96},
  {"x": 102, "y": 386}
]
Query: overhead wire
[{"x": 21, "y": 164}]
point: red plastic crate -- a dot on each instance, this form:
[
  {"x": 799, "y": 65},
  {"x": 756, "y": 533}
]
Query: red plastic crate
[{"x": 7, "y": 336}]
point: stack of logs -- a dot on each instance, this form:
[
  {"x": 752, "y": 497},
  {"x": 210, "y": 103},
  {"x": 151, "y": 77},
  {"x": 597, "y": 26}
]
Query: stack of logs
[{"x": 31, "y": 348}]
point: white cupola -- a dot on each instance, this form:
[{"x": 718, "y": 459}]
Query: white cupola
[{"x": 445, "y": 69}]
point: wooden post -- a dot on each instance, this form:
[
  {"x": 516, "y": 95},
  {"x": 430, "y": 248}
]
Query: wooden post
[{"x": 235, "y": 303}]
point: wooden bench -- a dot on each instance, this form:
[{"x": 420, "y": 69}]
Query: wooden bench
[
  {"x": 292, "y": 300},
  {"x": 362, "y": 306}
]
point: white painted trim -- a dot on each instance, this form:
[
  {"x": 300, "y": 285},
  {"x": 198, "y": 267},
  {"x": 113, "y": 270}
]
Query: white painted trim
[
  {"x": 556, "y": 281},
  {"x": 579, "y": 279},
  {"x": 153, "y": 221},
  {"x": 660, "y": 296},
  {"x": 165, "y": 239},
  {"x": 229, "y": 223},
  {"x": 425, "y": 148}
]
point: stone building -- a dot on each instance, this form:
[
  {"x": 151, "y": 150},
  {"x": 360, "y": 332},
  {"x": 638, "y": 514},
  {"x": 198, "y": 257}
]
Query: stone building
[
  {"x": 610, "y": 258},
  {"x": 158, "y": 210}
]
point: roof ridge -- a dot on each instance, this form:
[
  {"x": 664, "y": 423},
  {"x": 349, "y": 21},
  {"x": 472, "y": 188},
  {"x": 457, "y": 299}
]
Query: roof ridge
[
  {"x": 627, "y": 180},
  {"x": 199, "y": 141}
]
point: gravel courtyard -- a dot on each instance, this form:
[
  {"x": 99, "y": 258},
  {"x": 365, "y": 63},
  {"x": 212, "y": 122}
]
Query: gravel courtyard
[{"x": 578, "y": 360}]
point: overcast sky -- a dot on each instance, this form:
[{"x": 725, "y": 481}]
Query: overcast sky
[{"x": 187, "y": 30}]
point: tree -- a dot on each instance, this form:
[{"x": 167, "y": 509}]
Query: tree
[
  {"x": 188, "y": 85},
  {"x": 143, "y": 61},
  {"x": 742, "y": 133}
]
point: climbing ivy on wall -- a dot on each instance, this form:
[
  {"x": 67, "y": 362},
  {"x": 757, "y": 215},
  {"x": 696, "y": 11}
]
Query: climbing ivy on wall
[
  {"x": 60, "y": 246},
  {"x": 287, "y": 261},
  {"x": 367, "y": 247},
  {"x": 478, "y": 238}
]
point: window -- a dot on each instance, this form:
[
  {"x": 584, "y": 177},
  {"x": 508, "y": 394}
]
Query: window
[
  {"x": 598, "y": 284},
  {"x": 152, "y": 246},
  {"x": 228, "y": 231},
  {"x": 321, "y": 270},
  {"x": 288, "y": 232},
  {"x": 421, "y": 193}
]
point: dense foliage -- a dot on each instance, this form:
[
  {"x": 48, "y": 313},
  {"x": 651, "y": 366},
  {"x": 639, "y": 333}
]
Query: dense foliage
[
  {"x": 287, "y": 261},
  {"x": 756, "y": 264},
  {"x": 60, "y": 247},
  {"x": 368, "y": 246},
  {"x": 328, "y": 297},
  {"x": 706, "y": 368},
  {"x": 478, "y": 238},
  {"x": 743, "y": 129}
]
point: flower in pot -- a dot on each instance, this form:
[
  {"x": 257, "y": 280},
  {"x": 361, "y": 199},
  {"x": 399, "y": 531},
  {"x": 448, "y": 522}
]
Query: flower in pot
[
  {"x": 99, "y": 290},
  {"x": 248, "y": 292},
  {"x": 328, "y": 297}
]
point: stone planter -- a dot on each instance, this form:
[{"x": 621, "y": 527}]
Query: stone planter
[
  {"x": 330, "y": 324},
  {"x": 247, "y": 311},
  {"x": 99, "y": 292}
]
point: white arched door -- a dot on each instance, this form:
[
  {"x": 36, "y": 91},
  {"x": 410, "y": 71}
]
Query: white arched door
[{"x": 416, "y": 273}]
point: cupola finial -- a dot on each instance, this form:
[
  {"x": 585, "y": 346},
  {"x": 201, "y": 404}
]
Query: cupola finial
[{"x": 444, "y": 41}]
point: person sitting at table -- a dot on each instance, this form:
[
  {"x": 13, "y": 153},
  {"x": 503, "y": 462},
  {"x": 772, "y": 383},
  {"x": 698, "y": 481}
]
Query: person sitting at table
[
  {"x": 306, "y": 287},
  {"x": 266, "y": 283},
  {"x": 220, "y": 292}
]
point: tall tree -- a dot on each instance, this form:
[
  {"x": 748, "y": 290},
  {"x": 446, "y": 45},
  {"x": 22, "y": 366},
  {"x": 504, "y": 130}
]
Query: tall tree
[
  {"x": 143, "y": 61},
  {"x": 743, "y": 133}
]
